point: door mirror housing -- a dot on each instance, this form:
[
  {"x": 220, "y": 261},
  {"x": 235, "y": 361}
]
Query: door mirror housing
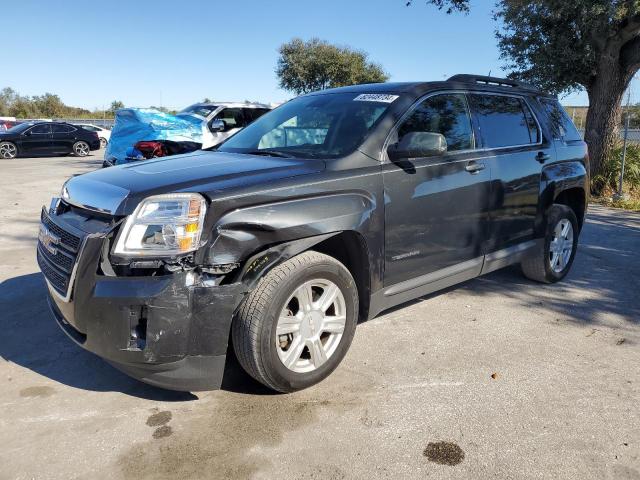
[
  {"x": 218, "y": 126},
  {"x": 418, "y": 144},
  {"x": 27, "y": 133}
]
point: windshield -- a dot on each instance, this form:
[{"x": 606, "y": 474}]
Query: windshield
[
  {"x": 19, "y": 128},
  {"x": 198, "y": 109},
  {"x": 316, "y": 126}
]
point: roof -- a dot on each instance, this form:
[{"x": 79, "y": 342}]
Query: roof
[
  {"x": 461, "y": 81},
  {"x": 234, "y": 104}
]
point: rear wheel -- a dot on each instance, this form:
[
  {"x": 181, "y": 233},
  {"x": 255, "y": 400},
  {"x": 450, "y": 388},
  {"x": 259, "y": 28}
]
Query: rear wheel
[
  {"x": 81, "y": 149},
  {"x": 296, "y": 326},
  {"x": 103, "y": 142},
  {"x": 8, "y": 150},
  {"x": 553, "y": 259}
]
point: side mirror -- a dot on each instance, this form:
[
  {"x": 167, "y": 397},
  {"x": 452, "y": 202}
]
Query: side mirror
[
  {"x": 218, "y": 126},
  {"x": 27, "y": 133},
  {"x": 418, "y": 144}
]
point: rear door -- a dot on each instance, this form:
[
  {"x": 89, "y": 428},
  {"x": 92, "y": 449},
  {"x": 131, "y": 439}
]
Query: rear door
[
  {"x": 36, "y": 140},
  {"x": 514, "y": 149},
  {"x": 62, "y": 137}
]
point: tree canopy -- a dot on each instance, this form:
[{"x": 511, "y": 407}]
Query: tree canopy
[
  {"x": 49, "y": 105},
  {"x": 305, "y": 66}
]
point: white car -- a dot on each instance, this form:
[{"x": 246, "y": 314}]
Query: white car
[
  {"x": 104, "y": 134},
  {"x": 220, "y": 120}
]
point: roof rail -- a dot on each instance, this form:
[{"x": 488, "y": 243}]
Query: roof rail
[{"x": 500, "y": 82}]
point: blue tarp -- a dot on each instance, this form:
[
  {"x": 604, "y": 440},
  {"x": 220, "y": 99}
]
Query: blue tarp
[{"x": 136, "y": 124}]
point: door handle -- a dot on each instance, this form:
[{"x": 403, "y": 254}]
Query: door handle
[
  {"x": 474, "y": 167},
  {"x": 542, "y": 157}
]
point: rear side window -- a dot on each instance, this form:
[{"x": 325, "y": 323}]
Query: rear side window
[
  {"x": 503, "y": 121},
  {"x": 57, "y": 128},
  {"x": 562, "y": 126},
  {"x": 446, "y": 114},
  {"x": 253, "y": 113}
]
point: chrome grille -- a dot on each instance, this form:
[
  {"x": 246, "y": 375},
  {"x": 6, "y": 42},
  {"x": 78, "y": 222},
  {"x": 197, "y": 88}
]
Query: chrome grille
[{"x": 56, "y": 253}]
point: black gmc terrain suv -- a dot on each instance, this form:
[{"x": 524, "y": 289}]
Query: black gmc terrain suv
[{"x": 325, "y": 211}]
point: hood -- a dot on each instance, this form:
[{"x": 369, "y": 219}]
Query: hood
[{"x": 118, "y": 190}]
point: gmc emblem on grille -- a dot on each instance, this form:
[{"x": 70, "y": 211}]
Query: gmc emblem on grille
[{"x": 48, "y": 239}]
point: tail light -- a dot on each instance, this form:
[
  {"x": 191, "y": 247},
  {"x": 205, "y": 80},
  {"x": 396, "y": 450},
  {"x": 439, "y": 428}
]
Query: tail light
[{"x": 151, "y": 149}]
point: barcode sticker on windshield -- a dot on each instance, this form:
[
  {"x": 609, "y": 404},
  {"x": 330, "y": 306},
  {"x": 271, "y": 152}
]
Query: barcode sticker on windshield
[{"x": 375, "y": 97}]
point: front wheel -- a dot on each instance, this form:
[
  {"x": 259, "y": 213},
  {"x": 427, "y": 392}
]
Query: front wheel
[
  {"x": 81, "y": 149},
  {"x": 552, "y": 261},
  {"x": 296, "y": 326},
  {"x": 8, "y": 150}
]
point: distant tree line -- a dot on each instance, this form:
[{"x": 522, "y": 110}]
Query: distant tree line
[{"x": 48, "y": 105}]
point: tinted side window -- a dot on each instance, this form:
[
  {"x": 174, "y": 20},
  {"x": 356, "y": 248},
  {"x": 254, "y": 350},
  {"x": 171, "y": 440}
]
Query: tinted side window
[
  {"x": 446, "y": 114},
  {"x": 562, "y": 126},
  {"x": 501, "y": 120},
  {"x": 252, "y": 114},
  {"x": 57, "y": 128},
  {"x": 43, "y": 128}
]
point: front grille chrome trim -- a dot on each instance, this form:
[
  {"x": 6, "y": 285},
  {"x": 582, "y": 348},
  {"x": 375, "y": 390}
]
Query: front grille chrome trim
[{"x": 66, "y": 297}]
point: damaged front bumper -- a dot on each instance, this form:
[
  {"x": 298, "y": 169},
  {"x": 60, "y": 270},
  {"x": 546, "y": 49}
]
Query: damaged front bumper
[{"x": 168, "y": 330}]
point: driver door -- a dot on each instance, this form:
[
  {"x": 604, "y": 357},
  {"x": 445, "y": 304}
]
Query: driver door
[
  {"x": 234, "y": 121},
  {"x": 37, "y": 140},
  {"x": 437, "y": 207}
]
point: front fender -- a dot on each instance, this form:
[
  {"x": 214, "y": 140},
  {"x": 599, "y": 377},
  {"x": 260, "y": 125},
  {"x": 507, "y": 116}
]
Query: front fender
[{"x": 245, "y": 231}]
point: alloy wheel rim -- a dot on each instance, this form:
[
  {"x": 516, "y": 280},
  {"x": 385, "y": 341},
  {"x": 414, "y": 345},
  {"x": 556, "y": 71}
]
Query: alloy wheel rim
[
  {"x": 310, "y": 325},
  {"x": 82, "y": 149},
  {"x": 561, "y": 245},
  {"x": 7, "y": 150}
]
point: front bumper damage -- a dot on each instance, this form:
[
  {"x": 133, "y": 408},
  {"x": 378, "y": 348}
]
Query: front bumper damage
[{"x": 168, "y": 330}]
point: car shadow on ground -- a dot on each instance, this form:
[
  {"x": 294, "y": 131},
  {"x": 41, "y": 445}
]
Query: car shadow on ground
[{"x": 607, "y": 265}]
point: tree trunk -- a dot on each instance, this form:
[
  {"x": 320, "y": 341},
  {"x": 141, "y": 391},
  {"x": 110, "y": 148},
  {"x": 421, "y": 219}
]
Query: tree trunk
[{"x": 603, "y": 117}]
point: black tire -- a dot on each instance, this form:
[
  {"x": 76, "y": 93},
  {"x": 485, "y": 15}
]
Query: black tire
[
  {"x": 81, "y": 149},
  {"x": 537, "y": 266},
  {"x": 253, "y": 329},
  {"x": 8, "y": 150}
]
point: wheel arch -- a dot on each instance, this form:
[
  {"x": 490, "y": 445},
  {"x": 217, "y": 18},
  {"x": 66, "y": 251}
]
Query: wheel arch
[{"x": 564, "y": 183}]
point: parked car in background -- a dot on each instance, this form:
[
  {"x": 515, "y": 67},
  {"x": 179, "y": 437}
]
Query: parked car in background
[
  {"x": 220, "y": 120},
  {"x": 202, "y": 125},
  {"x": 330, "y": 209},
  {"x": 46, "y": 138},
  {"x": 104, "y": 134}
]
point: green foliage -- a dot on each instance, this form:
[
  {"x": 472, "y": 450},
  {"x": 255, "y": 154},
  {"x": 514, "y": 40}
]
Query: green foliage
[
  {"x": 557, "y": 44},
  {"x": 315, "y": 65},
  {"x": 607, "y": 180},
  {"x": 450, "y": 5},
  {"x": 115, "y": 105},
  {"x": 49, "y": 105}
]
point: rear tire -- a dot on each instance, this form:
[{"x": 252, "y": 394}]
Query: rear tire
[
  {"x": 8, "y": 150},
  {"x": 286, "y": 342},
  {"x": 553, "y": 259},
  {"x": 81, "y": 149}
]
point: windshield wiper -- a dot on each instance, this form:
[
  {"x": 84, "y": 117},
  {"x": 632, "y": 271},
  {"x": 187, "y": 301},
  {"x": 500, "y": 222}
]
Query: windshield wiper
[{"x": 268, "y": 153}]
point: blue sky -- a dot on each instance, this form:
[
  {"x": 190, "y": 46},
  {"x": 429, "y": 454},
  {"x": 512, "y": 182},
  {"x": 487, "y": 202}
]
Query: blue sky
[{"x": 152, "y": 52}]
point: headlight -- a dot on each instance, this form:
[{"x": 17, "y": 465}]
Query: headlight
[{"x": 163, "y": 225}]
